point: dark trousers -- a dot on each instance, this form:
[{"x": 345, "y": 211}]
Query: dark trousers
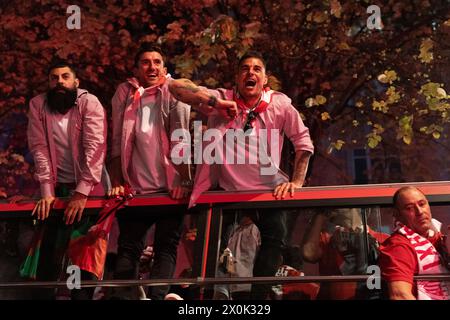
[
  {"x": 272, "y": 227},
  {"x": 84, "y": 293},
  {"x": 52, "y": 258},
  {"x": 133, "y": 225},
  {"x": 51, "y": 261}
]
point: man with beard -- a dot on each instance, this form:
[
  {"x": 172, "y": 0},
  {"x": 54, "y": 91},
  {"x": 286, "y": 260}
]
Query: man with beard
[
  {"x": 67, "y": 137},
  {"x": 266, "y": 116}
]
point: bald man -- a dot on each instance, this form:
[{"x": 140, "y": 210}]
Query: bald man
[{"x": 415, "y": 248}]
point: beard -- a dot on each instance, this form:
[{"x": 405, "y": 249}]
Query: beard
[{"x": 61, "y": 101}]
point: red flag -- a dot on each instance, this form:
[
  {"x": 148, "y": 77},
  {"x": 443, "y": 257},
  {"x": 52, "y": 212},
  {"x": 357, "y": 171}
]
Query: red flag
[{"x": 88, "y": 248}]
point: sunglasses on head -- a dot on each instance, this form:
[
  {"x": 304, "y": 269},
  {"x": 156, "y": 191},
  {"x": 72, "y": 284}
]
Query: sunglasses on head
[{"x": 249, "y": 123}]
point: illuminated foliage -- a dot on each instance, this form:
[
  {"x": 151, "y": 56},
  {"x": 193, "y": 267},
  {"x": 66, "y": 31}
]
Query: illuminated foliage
[{"x": 339, "y": 74}]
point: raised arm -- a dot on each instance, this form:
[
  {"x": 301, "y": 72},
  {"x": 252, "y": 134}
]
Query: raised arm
[{"x": 188, "y": 92}]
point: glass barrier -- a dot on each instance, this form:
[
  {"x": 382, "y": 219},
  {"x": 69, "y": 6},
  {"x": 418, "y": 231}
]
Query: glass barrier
[{"x": 328, "y": 241}]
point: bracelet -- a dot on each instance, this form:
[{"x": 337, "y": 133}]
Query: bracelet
[{"x": 212, "y": 101}]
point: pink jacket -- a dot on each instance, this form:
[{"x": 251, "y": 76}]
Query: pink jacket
[
  {"x": 87, "y": 133},
  {"x": 280, "y": 114},
  {"x": 174, "y": 115}
]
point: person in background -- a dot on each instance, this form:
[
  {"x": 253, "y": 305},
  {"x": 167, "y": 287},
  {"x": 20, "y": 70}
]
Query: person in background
[
  {"x": 335, "y": 239},
  {"x": 417, "y": 247},
  {"x": 243, "y": 241}
]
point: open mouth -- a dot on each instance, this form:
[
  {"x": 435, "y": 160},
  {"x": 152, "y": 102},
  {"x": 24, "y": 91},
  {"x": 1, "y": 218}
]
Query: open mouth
[
  {"x": 250, "y": 83},
  {"x": 152, "y": 76}
]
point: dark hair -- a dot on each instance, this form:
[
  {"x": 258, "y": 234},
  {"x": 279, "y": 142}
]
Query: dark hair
[
  {"x": 402, "y": 190},
  {"x": 148, "y": 47},
  {"x": 58, "y": 63},
  {"x": 252, "y": 54}
]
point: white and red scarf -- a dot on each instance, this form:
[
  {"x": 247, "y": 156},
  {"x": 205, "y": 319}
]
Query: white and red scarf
[
  {"x": 261, "y": 106},
  {"x": 429, "y": 262}
]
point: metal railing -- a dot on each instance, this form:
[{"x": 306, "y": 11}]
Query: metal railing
[{"x": 211, "y": 204}]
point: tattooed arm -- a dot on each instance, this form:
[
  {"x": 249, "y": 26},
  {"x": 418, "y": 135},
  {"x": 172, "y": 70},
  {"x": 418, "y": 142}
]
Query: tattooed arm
[
  {"x": 188, "y": 92},
  {"x": 300, "y": 168}
]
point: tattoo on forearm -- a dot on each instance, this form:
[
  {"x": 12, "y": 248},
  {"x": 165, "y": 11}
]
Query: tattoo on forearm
[
  {"x": 212, "y": 101},
  {"x": 185, "y": 93},
  {"x": 191, "y": 89},
  {"x": 301, "y": 166},
  {"x": 189, "y": 86}
]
